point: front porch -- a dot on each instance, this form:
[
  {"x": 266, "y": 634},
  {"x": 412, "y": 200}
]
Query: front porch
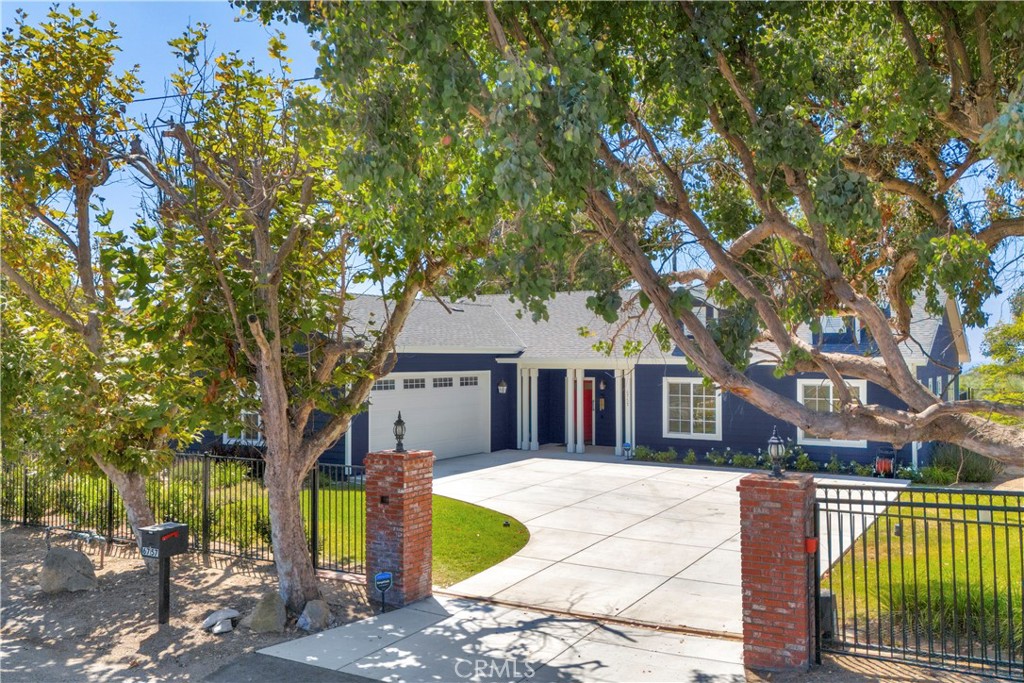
[{"x": 575, "y": 407}]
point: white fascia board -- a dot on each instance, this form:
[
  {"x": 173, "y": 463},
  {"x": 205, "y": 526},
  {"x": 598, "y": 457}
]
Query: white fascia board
[
  {"x": 564, "y": 363},
  {"x": 461, "y": 350}
]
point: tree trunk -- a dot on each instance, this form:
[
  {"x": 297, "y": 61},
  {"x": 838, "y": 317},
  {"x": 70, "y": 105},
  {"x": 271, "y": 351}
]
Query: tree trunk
[
  {"x": 132, "y": 488},
  {"x": 297, "y": 579}
]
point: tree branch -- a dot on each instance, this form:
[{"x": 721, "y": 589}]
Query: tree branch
[{"x": 39, "y": 300}]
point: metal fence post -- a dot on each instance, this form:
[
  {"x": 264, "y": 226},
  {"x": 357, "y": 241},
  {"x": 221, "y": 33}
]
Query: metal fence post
[
  {"x": 314, "y": 517},
  {"x": 24, "y": 495},
  {"x": 110, "y": 510},
  {"x": 205, "y": 539}
]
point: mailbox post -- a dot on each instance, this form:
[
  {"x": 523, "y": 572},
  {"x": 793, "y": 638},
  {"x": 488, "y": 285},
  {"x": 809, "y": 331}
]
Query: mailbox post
[{"x": 161, "y": 542}]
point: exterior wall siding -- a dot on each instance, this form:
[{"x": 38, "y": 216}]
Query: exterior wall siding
[{"x": 744, "y": 427}]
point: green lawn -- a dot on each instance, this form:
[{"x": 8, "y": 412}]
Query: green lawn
[
  {"x": 940, "y": 568},
  {"x": 469, "y": 539}
]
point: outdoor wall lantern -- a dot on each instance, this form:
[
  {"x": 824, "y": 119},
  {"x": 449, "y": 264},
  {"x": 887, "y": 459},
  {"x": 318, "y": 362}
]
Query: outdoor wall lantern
[
  {"x": 602, "y": 385},
  {"x": 502, "y": 386},
  {"x": 399, "y": 433},
  {"x": 777, "y": 452}
]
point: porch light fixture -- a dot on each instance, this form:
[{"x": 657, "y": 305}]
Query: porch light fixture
[
  {"x": 502, "y": 386},
  {"x": 399, "y": 433},
  {"x": 602, "y": 385},
  {"x": 776, "y": 451}
]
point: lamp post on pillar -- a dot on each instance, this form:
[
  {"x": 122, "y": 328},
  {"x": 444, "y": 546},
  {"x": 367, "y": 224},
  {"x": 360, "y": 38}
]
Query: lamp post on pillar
[{"x": 399, "y": 431}]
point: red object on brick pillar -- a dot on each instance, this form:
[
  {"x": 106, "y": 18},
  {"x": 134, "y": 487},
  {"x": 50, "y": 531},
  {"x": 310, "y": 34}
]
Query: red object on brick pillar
[
  {"x": 776, "y": 518},
  {"x": 399, "y": 522}
]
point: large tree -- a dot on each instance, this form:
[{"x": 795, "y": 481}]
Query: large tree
[
  {"x": 273, "y": 207},
  {"x": 796, "y": 159},
  {"x": 97, "y": 391}
]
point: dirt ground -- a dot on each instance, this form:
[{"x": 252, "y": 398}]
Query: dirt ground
[{"x": 111, "y": 633}]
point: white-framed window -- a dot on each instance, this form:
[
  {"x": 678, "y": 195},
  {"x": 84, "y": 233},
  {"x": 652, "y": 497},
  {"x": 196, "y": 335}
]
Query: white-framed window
[
  {"x": 838, "y": 326},
  {"x": 469, "y": 381},
  {"x": 819, "y": 395},
  {"x": 251, "y": 431},
  {"x": 442, "y": 382},
  {"x": 414, "y": 383},
  {"x": 691, "y": 410},
  {"x": 384, "y": 385}
]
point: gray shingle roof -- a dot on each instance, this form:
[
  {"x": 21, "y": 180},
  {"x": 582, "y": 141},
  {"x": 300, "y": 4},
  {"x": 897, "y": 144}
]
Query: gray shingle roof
[
  {"x": 492, "y": 323},
  {"x": 431, "y": 327}
]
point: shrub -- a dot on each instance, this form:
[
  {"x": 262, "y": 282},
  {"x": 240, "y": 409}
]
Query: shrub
[
  {"x": 835, "y": 466},
  {"x": 717, "y": 458},
  {"x": 261, "y": 525},
  {"x": 227, "y": 473},
  {"x": 747, "y": 460},
  {"x": 908, "y": 473},
  {"x": 666, "y": 456},
  {"x": 861, "y": 470},
  {"x": 35, "y": 507},
  {"x": 970, "y": 466},
  {"x": 937, "y": 476},
  {"x": 805, "y": 464},
  {"x": 643, "y": 453},
  {"x": 81, "y": 509},
  {"x": 690, "y": 458}
]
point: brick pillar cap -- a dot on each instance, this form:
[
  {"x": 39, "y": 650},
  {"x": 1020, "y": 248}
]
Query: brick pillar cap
[
  {"x": 792, "y": 480},
  {"x": 404, "y": 454}
]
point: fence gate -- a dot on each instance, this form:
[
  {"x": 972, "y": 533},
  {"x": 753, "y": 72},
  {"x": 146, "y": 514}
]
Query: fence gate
[{"x": 922, "y": 575}]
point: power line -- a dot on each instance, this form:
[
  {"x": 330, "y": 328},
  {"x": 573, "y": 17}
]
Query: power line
[{"x": 156, "y": 98}]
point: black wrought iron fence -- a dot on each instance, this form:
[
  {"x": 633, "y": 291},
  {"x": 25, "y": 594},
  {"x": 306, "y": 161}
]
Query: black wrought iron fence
[
  {"x": 221, "y": 498},
  {"x": 932, "y": 576}
]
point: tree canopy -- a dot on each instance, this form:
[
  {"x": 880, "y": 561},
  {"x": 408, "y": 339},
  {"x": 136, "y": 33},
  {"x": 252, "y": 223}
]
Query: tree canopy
[
  {"x": 274, "y": 203},
  {"x": 796, "y": 159},
  {"x": 91, "y": 388}
]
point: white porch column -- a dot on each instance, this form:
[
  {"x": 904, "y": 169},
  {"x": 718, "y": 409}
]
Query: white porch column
[
  {"x": 348, "y": 445},
  {"x": 519, "y": 408},
  {"x": 913, "y": 452},
  {"x": 580, "y": 436},
  {"x": 618, "y": 411},
  {"x": 570, "y": 431},
  {"x": 630, "y": 385},
  {"x": 633, "y": 408},
  {"x": 534, "y": 439}
]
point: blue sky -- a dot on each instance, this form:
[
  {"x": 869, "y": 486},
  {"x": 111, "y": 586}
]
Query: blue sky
[{"x": 146, "y": 27}]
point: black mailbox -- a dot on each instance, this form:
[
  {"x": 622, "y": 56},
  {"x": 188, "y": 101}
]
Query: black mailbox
[{"x": 164, "y": 540}]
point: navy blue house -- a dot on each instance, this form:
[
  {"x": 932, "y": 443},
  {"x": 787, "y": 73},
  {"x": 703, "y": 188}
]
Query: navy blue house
[{"x": 475, "y": 377}]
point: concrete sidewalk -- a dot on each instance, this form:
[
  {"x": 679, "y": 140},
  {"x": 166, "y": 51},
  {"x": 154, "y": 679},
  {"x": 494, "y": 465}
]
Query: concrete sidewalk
[{"x": 453, "y": 639}]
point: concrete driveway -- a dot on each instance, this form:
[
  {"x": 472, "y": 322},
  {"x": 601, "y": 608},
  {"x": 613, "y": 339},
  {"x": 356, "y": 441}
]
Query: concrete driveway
[
  {"x": 632, "y": 541},
  {"x": 616, "y": 547}
]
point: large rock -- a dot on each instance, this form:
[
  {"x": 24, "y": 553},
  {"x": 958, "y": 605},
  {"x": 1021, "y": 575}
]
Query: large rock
[
  {"x": 315, "y": 617},
  {"x": 269, "y": 615},
  {"x": 65, "y": 569}
]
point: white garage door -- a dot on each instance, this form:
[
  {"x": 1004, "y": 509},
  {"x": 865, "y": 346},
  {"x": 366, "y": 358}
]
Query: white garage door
[{"x": 445, "y": 412}]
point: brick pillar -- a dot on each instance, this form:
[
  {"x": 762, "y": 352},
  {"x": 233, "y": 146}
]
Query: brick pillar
[
  {"x": 399, "y": 522},
  {"x": 776, "y": 517}
]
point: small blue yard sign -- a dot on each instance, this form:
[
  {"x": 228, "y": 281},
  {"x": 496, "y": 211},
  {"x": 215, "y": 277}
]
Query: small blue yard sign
[{"x": 383, "y": 581}]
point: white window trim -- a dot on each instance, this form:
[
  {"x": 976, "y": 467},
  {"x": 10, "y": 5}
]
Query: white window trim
[
  {"x": 665, "y": 433},
  {"x": 804, "y": 440},
  {"x": 242, "y": 440}
]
